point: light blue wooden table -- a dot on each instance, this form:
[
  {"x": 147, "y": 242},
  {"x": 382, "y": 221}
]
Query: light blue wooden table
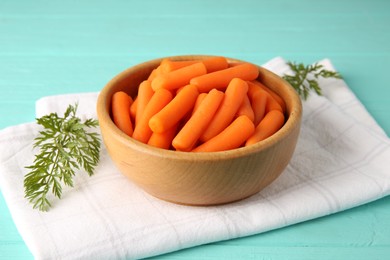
[{"x": 57, "y": 47}]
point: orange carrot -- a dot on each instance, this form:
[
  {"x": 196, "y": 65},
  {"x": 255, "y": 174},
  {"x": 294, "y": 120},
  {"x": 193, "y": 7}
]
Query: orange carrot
[
  {"x": 156, "y": 72},
  {"x": 212, "y": 64},
  {"x": 120, "y": 106},
  {"x": 234, "y": 95},
  {"x": 215, "y": 63},
  {"x": 259, "y": 102},
  {"x": 160, "y": 99},
  {"x": 194, "y": 127},
  {"x": 199, "y": 100},
  {"x": 220, "y": 79},
  {"x": 262, "y": 101},
  {"x": 152, "y": 75},
  {"x": 271, "y": 123},
  {"x": 178, "y": 90},
  {"x": 169, "y": 65},
  {"x": 179, "y": 78},
  {"x": 232, "y": 64},
  {"x": 231, "y": 137},
  {"x": 145, "y": 93},
  {"x": 246, "y": 109},
  {"x": 133, "y": 109},
  {"x": 163, "y": 140},
  {"x": 275, "y": 96},
  {"x": 272, "y": 104},
  {"x": 253, "y": 88},
  {"x": 172, "y": 113}
]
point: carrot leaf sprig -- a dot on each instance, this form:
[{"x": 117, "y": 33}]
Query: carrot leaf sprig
[
  {"x": 65, "y": 146},
  {"x": 305, "y": 77}
]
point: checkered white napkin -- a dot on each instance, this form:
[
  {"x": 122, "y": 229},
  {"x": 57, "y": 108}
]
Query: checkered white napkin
[{"x": 341, "y": 161}]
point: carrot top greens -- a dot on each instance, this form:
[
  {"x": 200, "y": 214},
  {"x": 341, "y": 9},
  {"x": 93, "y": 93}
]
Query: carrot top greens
[
  {"x": 305, "y": 77},
  {"x": 65, "y": 146}
]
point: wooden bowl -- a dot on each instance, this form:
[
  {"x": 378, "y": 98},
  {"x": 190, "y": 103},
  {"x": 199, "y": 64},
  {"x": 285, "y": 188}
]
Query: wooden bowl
[{"x": 199, "y": 178}]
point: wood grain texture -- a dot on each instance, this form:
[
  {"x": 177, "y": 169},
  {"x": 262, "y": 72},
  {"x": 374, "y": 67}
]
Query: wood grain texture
[{"x": 56, "y": 47}]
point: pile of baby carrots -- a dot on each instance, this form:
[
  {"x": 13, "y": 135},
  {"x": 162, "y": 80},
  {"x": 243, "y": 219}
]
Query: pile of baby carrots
[{"x": 204, "y": 105}]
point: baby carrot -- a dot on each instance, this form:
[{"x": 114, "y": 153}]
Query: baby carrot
[
  {"x": 152, "y": 75},
  {"x": 163, "y": 140},
  {"x": 215, "y": 63},
  {"x": 212, "y": 64},
  {"x": 220, "y": 79},
  {"x": 145, "y": 93},
  {"x": 259, "y": 102},
  {"x": 275, "y": 96},
  {"x": 234, "y": 95},
  {"x": 272, "y": 104},
  {"x": 271, "y": 123},
  {"x": 262, "y": 101},
  {"x": 198, "y": 101},
  {"x": 169, "y": 65},
  {"x": 156, "y": 72},
  {"x": 133, "y": 109},
  {"x": 194, "y": 127},
  {"x": 231, "y": 137},
  {"x": 246, "y": 109},
  {"x": 178, "y": 78},
  {"x": 232, "y": 64},
  {"x": 253, "y": 88},
  {"x": 120, "y": 106},
  {"x": 172, "y": 113},
  {"x": 160, "y": 99}
]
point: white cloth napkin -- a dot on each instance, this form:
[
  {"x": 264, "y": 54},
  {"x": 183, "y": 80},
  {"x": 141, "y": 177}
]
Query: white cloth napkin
[{"x": 341, "y": 161}]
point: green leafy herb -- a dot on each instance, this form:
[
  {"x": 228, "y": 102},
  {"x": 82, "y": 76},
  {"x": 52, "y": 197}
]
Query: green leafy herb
[
  {"x": 305, "y": 77},
  {"x": 65, "y": 146}
]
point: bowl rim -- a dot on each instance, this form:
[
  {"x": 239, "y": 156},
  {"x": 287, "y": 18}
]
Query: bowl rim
[{"x": 102, "y": 107}]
